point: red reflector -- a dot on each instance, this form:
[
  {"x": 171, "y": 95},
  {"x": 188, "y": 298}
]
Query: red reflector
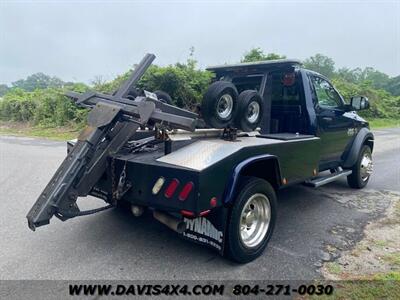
[
  {"x": 169, "y": 192},
  {"x": 186, "y": 191},
  {"x": 213, "y": 202},
  {"x": 187, "y": 213},
  {"x": 204, "y": 213}
]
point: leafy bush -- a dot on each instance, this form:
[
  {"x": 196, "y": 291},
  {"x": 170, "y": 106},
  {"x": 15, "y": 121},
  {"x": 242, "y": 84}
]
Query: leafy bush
[
  {"x": 383, "y": 104},
  {"x": 183, "y": 82},
  {"x": 257, "y": 54},
  {"x": 39, "y": 99},
  {"x": 44, "y": 107}
]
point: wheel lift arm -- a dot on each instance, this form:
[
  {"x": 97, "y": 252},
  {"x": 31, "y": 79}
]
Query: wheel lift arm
[{"x": 111, "y": 123}]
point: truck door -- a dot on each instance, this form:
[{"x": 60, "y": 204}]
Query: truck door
[{"x": 333, "y": 123}]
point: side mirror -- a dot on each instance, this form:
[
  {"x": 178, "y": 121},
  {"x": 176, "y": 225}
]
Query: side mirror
[{"x": 359, "y": 102}]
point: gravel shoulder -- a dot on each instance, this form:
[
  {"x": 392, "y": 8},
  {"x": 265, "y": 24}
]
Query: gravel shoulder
[{"x": 376, "y": 254}]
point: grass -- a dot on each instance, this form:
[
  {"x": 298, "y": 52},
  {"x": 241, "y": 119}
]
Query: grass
[
  {"x": 381, "y": 243},
  {"x": 383, "y": 123},
  {"x": 380, "y": 286},
  {"x": 53, "y": 133},
  {"x": 396, "y": 216},
  {"x": 397, "y": 210},
  {"x": 389, "y": 276},
  {"x": 356, "y": 284},
  {"x": 392, "y": 258},
  {"x": 334, "y": 267},
  {"x": 70, "y": 132},
  {"x": 368, "y": 289}
]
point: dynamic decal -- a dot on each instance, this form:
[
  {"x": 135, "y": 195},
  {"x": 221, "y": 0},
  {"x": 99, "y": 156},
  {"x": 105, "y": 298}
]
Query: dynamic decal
[{"x": 203, "y": 231}]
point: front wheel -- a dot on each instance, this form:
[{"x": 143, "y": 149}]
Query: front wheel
[
  {"x": 362, "y": 169},
  {"x": 252, "y": 220}
]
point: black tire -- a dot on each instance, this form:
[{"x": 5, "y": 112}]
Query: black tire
[
  {"x": 249, "y": 101},
  {"x": 164, "y": 97},
  {"x": 236, "y": 248},
  {"x": 216, "y": 93},
  {"x": 356, "y": 180},
  {"x": 132, "y": 94}
]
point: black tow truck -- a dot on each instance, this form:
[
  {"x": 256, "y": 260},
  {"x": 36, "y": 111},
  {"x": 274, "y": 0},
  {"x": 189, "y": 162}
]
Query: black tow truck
[{"x": 212, "y": 176}]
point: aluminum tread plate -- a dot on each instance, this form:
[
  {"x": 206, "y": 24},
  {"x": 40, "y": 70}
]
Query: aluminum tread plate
[{"x": 204, "y": 153}]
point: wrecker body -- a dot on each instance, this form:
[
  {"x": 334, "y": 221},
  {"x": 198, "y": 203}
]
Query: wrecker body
[{"x": 152, "y": 155}]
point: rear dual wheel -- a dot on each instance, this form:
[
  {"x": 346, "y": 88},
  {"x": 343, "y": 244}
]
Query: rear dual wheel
[{"x": 252, "y": 220}]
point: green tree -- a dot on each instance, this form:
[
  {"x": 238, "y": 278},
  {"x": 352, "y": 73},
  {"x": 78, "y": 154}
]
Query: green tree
[
  {"x": 378, "y": 79},
  {"x": 321, "y": 64},
  {"x": 45, "y": 107},
  {"x": 39, "y": 99},
  {"x": 393, "y": 86},
  {"x": 257, "y": 54},
  {"x": 184, "y": 82},
  {"x": 38, "y": 81},
  {"x": 3, "y": 89},
  {"x": 349, "y": 75},
  {"x": 375, "y": 78}
]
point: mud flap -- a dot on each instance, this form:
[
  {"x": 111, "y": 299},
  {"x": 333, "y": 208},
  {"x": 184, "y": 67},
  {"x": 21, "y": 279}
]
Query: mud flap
[{"x": 209, "y": 230}]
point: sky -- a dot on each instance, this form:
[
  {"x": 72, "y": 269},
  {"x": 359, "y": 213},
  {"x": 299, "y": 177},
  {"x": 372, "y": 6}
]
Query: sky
[{"x": 80, "y": 40}]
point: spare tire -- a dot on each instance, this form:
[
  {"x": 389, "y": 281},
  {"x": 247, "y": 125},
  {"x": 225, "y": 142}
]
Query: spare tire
[
  {"x": 132, "y": 94},
  {"x": 218, "y": 107},
  {"x": 250, "y": 110},
  {"x": 164, "y": 97}
]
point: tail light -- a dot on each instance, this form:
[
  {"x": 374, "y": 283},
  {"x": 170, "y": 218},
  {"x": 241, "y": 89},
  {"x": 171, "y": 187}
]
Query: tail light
[
  {"x": 187, "y": 213},
  {"x": 169, "y": 192},
  {"x": 204, "y": 213},
  {"x": 213, "y": 202},
  {"x": 186, "y": 191},
  {"x": 158, "y": 185}
]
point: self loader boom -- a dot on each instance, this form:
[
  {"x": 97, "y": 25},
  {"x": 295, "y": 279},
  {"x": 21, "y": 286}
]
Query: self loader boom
[
  {"x": 212, "y": 177},
  {"x": 111, "y": 122}
]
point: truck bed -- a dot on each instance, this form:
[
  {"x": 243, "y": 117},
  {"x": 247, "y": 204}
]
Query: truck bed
[
  {"x": 207, "y": 152},
  {"x": 198, "y": 154},
  {"x": 209, "y": 164}
]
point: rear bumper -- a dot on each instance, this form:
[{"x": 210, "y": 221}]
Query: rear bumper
[
  {"x": 142, "y": 175},
  {"x": 142, "y": 178}
]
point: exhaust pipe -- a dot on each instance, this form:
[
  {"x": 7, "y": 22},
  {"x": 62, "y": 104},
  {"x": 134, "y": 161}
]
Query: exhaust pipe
[{"x": 172, "y": 222}]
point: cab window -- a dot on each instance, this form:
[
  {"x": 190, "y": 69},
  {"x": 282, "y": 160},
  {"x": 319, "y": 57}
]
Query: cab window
[
  {"x": 250, "y": 82},
  {"x": 325, "y": 94},
  {"x": 284, "y": 88}
]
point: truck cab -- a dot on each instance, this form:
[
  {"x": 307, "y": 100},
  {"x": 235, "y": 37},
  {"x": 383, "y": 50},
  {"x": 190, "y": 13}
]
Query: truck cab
[{"x": 300, "y": 101}]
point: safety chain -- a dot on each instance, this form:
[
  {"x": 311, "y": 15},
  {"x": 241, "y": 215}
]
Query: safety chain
[
  {"x": 113, "y": 188},
  {"x": 123, "y": 186}
]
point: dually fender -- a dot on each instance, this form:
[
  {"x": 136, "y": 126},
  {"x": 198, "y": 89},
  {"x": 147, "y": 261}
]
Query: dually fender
[
  {"x": 232, "y": 185},
  {"x": 364, "y": 136}
]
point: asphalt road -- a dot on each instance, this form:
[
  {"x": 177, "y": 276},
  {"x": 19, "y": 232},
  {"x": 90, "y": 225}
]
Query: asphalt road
[{"x": 115, "y": 245}]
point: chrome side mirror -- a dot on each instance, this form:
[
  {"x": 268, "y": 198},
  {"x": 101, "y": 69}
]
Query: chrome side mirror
[{"x": 359, "y": 102}]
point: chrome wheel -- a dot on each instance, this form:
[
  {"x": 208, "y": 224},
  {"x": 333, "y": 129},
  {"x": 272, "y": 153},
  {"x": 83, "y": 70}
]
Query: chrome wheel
[
  {"x": 254, "y": 220},
  {"x": 366, "y": 166},
  {"x": 253, "y": 112},
  {"x": 225, "y": 106}
]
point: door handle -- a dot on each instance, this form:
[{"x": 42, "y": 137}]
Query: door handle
[{"x": 327, "y": 119}]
